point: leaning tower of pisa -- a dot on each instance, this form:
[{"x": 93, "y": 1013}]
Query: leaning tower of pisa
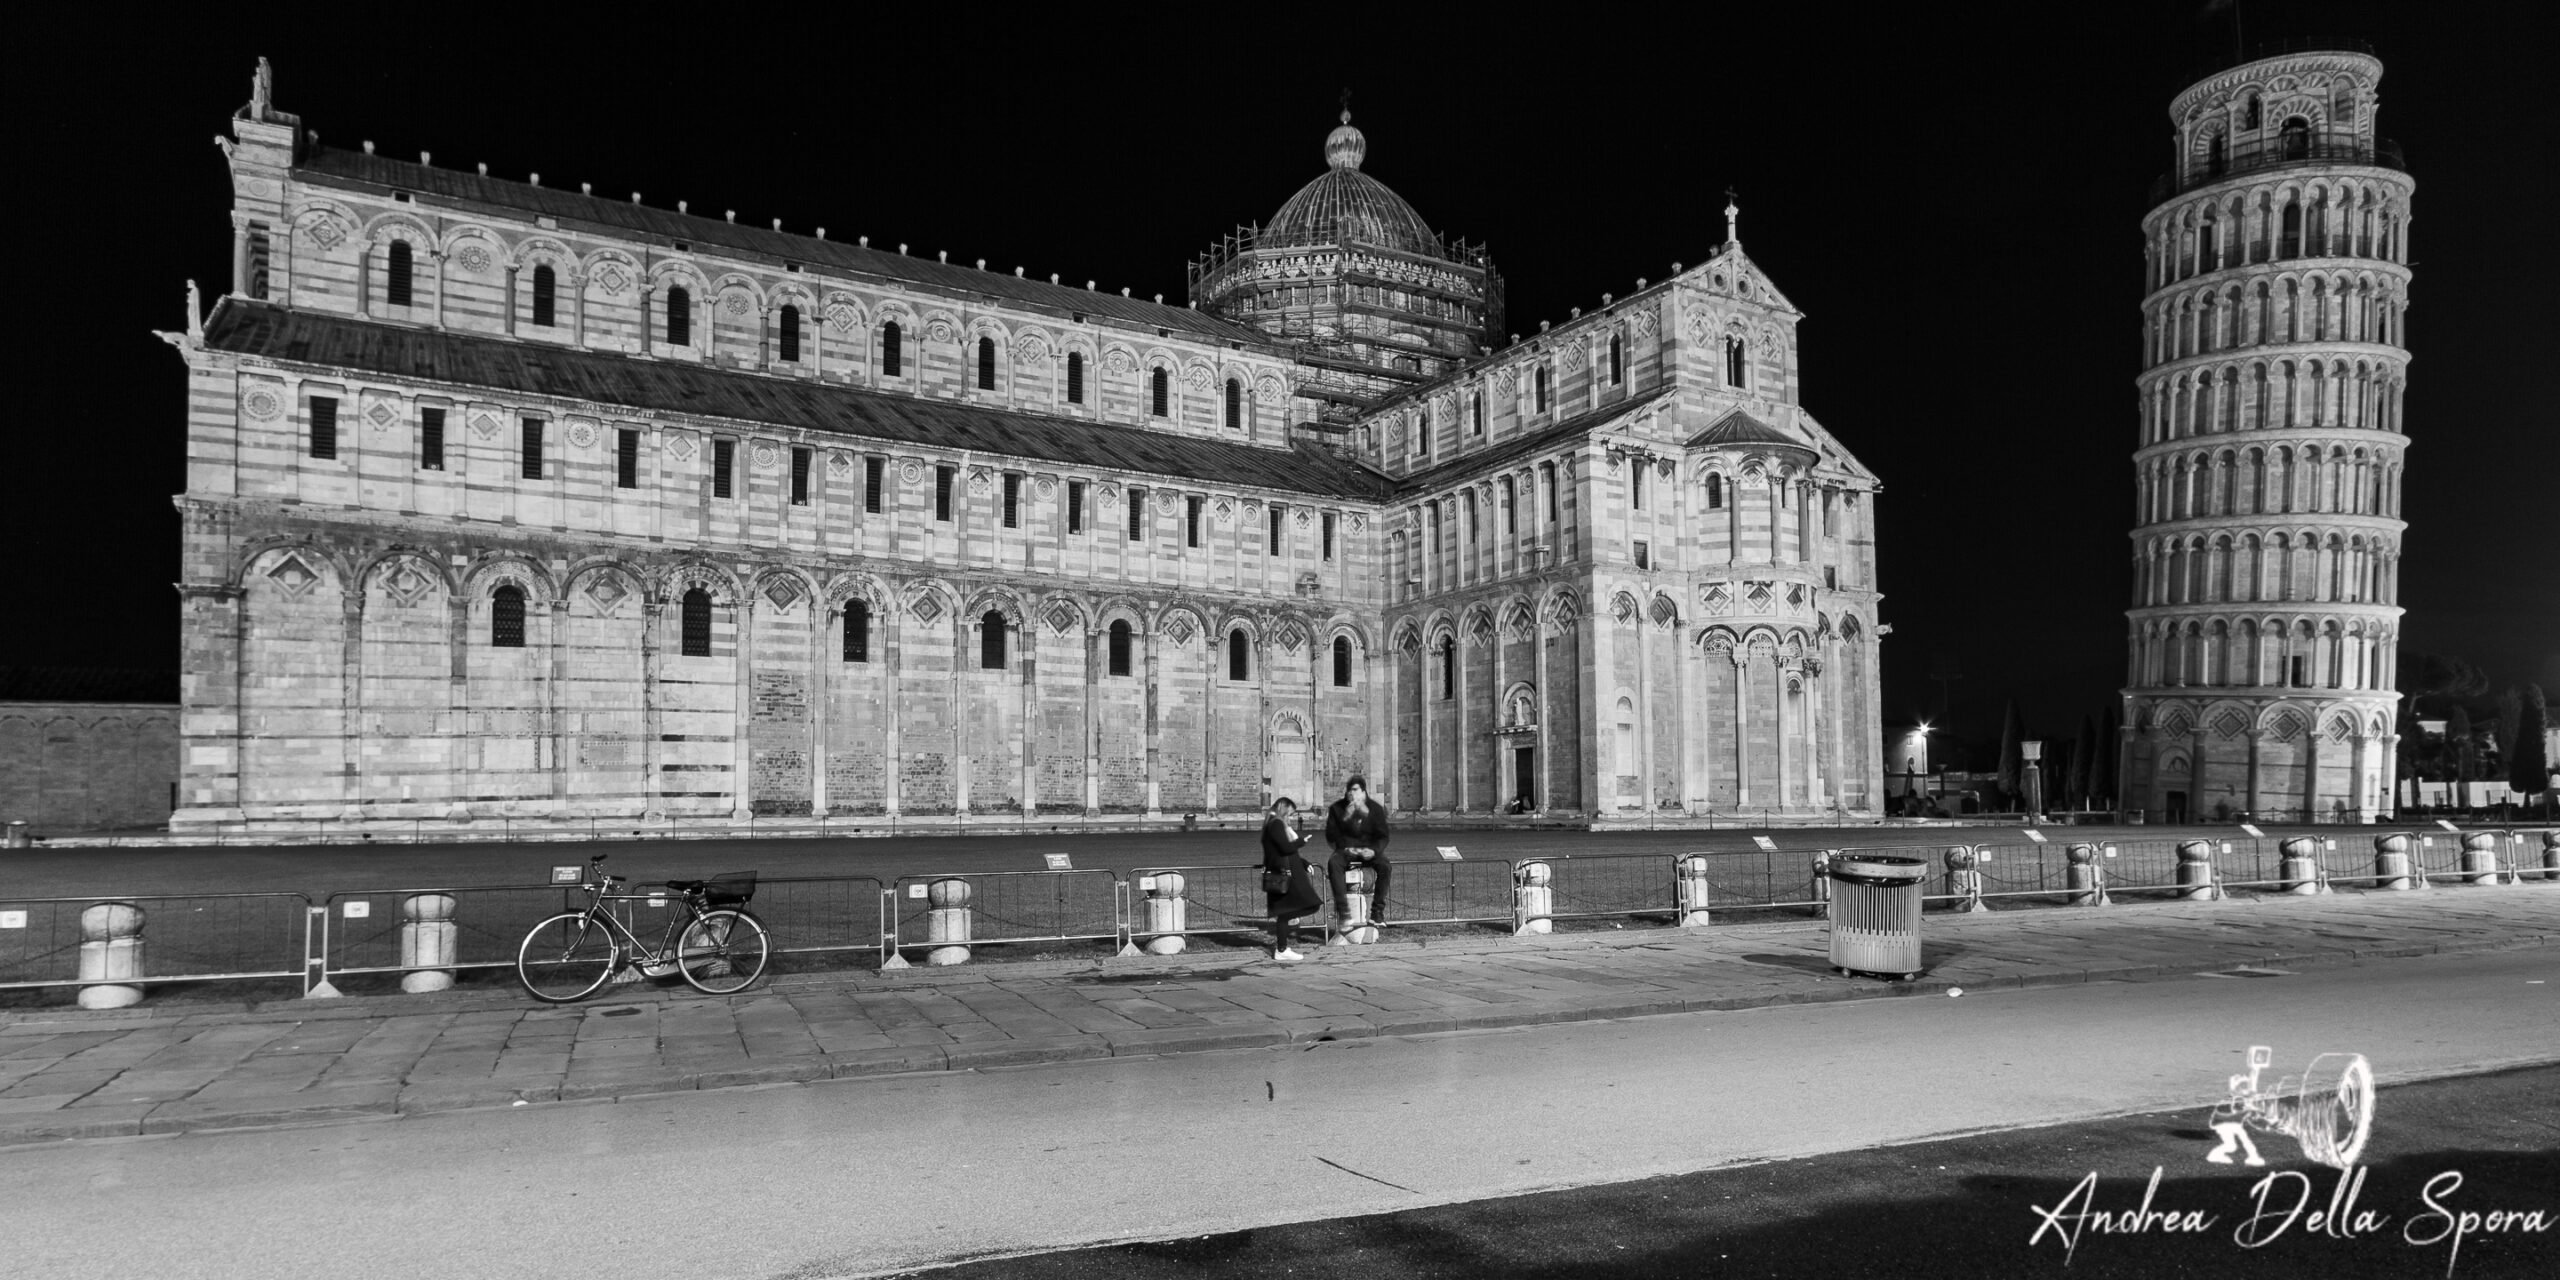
[{"x": 2266, "y": 539}]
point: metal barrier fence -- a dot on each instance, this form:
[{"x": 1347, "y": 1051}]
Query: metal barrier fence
[
  {"x": 1599, "y": 885},
  {"x": 204, "y": 937},
  {"x": 1761, "y": 878},
  {"x": 362, "y": 932},
  {"x": 1008, "y": 906},
  {"x": 1220, "y": 899},
  {"x": 1446, "y": 892}
]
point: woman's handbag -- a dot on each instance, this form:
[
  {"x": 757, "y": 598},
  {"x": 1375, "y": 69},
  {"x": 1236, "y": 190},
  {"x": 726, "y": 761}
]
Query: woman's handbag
[{"x": 1275, "y": 883}]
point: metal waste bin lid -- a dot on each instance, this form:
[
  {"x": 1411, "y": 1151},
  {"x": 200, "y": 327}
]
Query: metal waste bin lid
[{"x": 1879, "y": 869}]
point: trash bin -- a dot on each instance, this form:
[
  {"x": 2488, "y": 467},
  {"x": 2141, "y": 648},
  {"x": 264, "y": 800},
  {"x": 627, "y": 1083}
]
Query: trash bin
[{"x": 1875, "y": 914}]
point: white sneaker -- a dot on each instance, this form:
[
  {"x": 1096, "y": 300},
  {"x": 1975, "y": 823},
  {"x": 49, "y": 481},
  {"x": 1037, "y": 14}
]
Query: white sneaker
[{"x": 1287, "y": 955}]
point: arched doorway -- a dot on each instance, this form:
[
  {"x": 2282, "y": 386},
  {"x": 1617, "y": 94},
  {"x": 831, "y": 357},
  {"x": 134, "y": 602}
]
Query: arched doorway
[{"x": 1290, "y": 775}]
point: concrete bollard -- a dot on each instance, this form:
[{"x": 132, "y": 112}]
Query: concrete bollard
[
  {"x": 1822, "y": 883},
  {"x": 2479, "y": 858},
  {"x": 1168, "y": 914},
  {"x": 1965, "y": 878},
  {"x": 1351, "y": 924},
  {"x": 1692, "y": 885},
  {"x": 2391, "y": 862},
  {"x": 2084, "y": 877},
  {"x": 2551, "y": 855},
  {"x": 2298, "y": 865},
  {"x": 1532, "y": 894},
  {"x": 946, "y": 927},
  {"x": 2195, "y": 871},
  {"x": 110, "y": 949},
  {"x": 430, "y": 942}
]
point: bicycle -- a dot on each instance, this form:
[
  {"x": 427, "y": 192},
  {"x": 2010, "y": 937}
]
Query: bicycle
[{"x": 713, "y": 943}]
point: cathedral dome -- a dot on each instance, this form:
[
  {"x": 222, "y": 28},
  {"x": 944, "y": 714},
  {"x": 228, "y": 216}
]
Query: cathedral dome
[{"x": 1346, "y": 204}]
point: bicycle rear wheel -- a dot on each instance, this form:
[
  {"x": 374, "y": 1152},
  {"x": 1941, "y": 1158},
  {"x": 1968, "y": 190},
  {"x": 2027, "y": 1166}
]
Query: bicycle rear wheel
[
  {"x": 566, "y": 957},
  {"x": 722, "y": 952}
]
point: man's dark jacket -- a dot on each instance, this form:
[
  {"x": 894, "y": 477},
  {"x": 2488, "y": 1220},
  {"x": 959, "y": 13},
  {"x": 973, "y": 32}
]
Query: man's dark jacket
[{"x": 1364, "y": 829}]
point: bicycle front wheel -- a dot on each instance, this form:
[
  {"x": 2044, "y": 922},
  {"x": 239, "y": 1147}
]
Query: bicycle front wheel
[
  {"x": 722, "y": 952},
  {"x": 566, "y": 958}
]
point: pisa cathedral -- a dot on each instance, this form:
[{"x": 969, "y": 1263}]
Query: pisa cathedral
[
  {"x": 510, "y": 501},
  {"x": 2265, "y": 627}
]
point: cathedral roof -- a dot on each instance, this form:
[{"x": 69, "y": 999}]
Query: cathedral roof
[
  {"x": 1478, "y": 463},
  {"x": 1346, "y": 204},
  {"x": 467, "y": 362},
  {"x": 1737, "y": 428},
  {"x": 955, "y": 279}
]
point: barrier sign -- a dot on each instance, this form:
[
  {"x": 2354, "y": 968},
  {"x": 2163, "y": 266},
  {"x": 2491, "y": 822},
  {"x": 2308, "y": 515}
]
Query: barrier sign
[
  {"x": 2111, "y": 851},
  {"x": 1449, "y": 853},
  {"x": 565, "y": 875},
  {"x": 915, "y": 891},
  {"x": 657, "y": 899},
  {"x": 1146, "y": 884},
  {"x": 1057, "y": 861},
  {"x": 2226, "y": 848},
  {"x": 1766, "y": 844},
  {"x": 2035, "y": 835},
  {"x": 2254, "y": 833},
  {"x": 2329, "y": 845},
  {"x": 13, "y": 919},
  {"x": 358, "y": 909}
]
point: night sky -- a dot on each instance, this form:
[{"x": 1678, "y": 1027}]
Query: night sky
[{"x": 1952, "y": 196}]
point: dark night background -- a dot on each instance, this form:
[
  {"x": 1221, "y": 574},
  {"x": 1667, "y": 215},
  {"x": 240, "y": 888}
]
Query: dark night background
[{"x": 1952, "y": 195}]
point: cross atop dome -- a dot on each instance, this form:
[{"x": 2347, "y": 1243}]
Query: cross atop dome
[{"x": 1344, "y": 148}]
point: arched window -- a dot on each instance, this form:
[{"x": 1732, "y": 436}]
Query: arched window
[
  {"x": 889, "y": 350},
  {"x": 789, "y": 337},
  {"x": 991, "y": 640},
  {"x": 1715, "y": 492},
  {"x": 506, "y": 617},
  {"x": 2296, "y": 139},
  {"x": 857, "y": 631},
  {"x": 1342, "y": 662},
  {"x": 1476, "y": 411},
  {"x": 1733, "y": 362},
  {"x": 2249, "y": 113},
  {"x": 1075, "y": 377},
  {"x": 1542, "y": 388},
  {"x": 396, "y": 274},
  {"x": 1617, "y": 360},
  {"x": 679, "y": 316},
  {"x": 1239, "y": 655},
  {"x": 1160, "y": 393},
  {"x": 986, "y": 363},
  {"x": 1119, "y": 649},
  {"x": 697, "y": 623},
  {"x": 2216, "y": 156},
  {"x": 1235, "y": 405},
  {"x": 1448, "y": 669},
  {"x": 546, "y": 296},
  {"x": 1626, "y": 753}
]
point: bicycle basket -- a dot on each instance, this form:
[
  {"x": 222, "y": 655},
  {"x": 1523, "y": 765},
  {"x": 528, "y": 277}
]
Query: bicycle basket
[{"x": 729, "y": 889}]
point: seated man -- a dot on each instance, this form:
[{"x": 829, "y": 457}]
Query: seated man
[{"x": 1356, "y": 827}]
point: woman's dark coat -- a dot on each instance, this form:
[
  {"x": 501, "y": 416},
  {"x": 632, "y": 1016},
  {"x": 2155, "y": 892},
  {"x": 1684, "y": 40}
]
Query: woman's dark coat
[{"x": 1280, "y": 853}]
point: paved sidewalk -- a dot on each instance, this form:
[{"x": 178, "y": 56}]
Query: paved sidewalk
[{"x": 66, "y": 1073}]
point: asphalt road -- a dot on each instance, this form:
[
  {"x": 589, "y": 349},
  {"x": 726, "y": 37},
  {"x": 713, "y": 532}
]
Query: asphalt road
[
  {"x": 2008, "y": 1204},
  {"x": 319, "y": 870},
  {"x": 879, "y": 1175}
]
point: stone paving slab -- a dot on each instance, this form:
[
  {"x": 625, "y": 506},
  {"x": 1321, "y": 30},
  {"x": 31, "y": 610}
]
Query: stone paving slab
[{"x": 76, "y": 1074}]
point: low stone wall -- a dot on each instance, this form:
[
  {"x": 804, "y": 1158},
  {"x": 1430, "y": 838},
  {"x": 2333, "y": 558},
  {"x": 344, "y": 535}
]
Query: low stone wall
[{"x": 87, "y": 766}]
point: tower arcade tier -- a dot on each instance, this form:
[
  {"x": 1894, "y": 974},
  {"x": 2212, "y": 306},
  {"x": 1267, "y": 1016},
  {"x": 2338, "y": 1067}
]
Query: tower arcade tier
[{"x": 2267, "y": 529}]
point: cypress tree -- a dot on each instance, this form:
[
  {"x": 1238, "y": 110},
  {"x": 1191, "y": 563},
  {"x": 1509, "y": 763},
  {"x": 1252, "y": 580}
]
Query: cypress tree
[
  {"x": 2465, "y": 753},
  {"x": 2013, "y": 729},
  {"x": 2084, "y": 759},
  {"x": 2529, "y": 761}
]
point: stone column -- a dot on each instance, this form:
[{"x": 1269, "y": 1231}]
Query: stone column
[
  {"x": 1094, "y": 666},
  {"x": 1155, "y": 726},
  {"x": 2311, "y": 773},
  {"x": 510, "y": 311},
  {"x": 823, "y": 638},
  {"x": 1030, "y": 758},
  {"x": 1644, "y": 711},
  {"x": 963, "y": 630},
  {"x": 1429, "y": 687},
  {"x": 1598, "y": 702},
  {"x": 1503, "y": 783},
  {"x": 364, "y": 282},
  {"x": 741, "y": 749},
  {"x": 350, "y": 694},
  {"x": 1742, "y": 725},
  {"x": 652, "y": 718},
  {"x": 2250, "y": 801},
  {"x": 2390, "y": 778},
  {"x": 1545, "y": 760},
  {"x": 1461, "y": 755},
  {"x": 578, "y": 308},
  {"x": 1778, "y": 725},
  {"x": 1386, "y": 691},
  {"x": 2359, "y": 797},
  {"x": 892, "y": 626},
  {"x": 554, "y": 718}
]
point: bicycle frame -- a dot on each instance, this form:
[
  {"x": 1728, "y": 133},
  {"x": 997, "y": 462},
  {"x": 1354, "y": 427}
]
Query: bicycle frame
[{"x": 639, "y": 952}]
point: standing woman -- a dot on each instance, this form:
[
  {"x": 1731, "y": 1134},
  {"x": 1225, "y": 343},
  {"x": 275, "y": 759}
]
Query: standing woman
[{"x": 1284, "y": 877}]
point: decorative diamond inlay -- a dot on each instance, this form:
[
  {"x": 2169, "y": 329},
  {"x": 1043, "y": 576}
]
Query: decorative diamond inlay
[
  {"x": 1178, "y": 629},
  {"x": 2230, "y": 724},
  {"x": 783, "y": 592},
  {"x": 405, "y": 585},
  {"x": 381, "y": 414},
  {"x": 294, "y": 576},
  {"x": 1062, "y": 617},
  {"x": 605, "y": 592},
  {"x": 926, "y": 610}
]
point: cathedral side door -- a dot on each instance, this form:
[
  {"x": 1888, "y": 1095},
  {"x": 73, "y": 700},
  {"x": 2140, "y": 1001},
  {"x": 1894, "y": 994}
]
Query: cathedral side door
[
  {"x": 1289, "y": 765},
  {"x": 1524, "y": 778}
]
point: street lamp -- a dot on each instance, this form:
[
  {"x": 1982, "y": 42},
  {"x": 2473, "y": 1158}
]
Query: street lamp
[{"x": 2030, "y": 751}]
